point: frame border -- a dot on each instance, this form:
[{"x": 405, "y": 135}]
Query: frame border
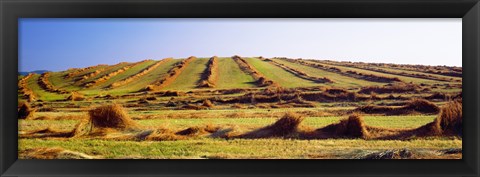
[{"x": 11, "y": 10}]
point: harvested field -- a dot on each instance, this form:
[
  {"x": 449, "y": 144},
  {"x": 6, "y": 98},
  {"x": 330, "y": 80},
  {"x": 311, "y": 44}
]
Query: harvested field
[{"x": 239, "y": 107}]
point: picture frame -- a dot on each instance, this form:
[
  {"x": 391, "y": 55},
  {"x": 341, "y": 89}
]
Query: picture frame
[{"x": 11, "y": 11}]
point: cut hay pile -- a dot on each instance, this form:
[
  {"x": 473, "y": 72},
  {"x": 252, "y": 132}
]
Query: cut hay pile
[
  {"x": 105, "y": 119},
  {"x": 207, "y": 103},
  {"x": 286, "y": 127},
  {"x": 209, "y": 76},
  {"x": 391, "y": 88},
  {"x": 351, "y": 127},
  {"x": 24, "y": 90},
  {"x": 172, "y": 74},
  {"x": 111, "y": 116},
  {"x": 450, "y": 119},
  {"x": 448, "y": 122},
  {"x": 75, "y": 96},
  {"x": 25, "y": 111}
]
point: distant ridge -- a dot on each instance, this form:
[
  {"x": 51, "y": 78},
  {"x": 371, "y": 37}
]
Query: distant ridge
[{"x": 36, "y": 71}]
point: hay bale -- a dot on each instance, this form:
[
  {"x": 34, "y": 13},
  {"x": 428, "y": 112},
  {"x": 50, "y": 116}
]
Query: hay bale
[
  {"x": 111, "y": 116},
  {"x": 25, "y": 111}
]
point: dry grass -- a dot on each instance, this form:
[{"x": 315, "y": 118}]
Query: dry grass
[
  {"x": 391, "y": 88},
  {"x": 287, "y": 126},
  {"x": 53, "y": 153},
  {"x": 414, "y": 106},
  {"x": 450, "y": 119},
  {"x": 351, "y": 127},
  {"x": 207, "y": 103},
  {"x": 209, "y": 76},
  {"x": 75, "y": 96},
  {"x": 111, "y": 116},
  {"x": 25, "y": 111}
]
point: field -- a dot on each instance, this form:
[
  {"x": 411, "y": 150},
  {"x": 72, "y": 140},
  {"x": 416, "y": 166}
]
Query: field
[{"x": 242, "y": 108}]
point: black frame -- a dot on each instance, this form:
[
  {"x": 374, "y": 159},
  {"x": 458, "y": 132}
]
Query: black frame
[{"x": 11, "y": 10}]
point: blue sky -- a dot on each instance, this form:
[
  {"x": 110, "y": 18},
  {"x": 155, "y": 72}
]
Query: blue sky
[{"x": 59, "y": 44}]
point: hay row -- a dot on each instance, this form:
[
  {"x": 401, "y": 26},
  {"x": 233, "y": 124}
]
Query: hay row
[
  {"x": 172, "y": 74},
  {"x": 209, "y": 75},
  {"x": 353, "y": 74},
  {"x": 139, "y": 74},
  {"x": 440, "y": 70},
  {"x": 261, "y": 80},
  {"x": 112, "y": 122},
  {"x": 77, "y": 71},
  {"x": 415, "y": 105},
  {"x": 46, "y": 85},
  {"x": 418, "y": 75},
  {"x": 391, "y": 88},
  {"x": 24, "y": 90},
  {"x": 112, "y": 74},
  {"x": 453, "y": 71},
  {"x": 300, "y": 74}
]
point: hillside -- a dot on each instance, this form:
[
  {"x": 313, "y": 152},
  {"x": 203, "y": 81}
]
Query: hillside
[{"x": 130, "y": 78}]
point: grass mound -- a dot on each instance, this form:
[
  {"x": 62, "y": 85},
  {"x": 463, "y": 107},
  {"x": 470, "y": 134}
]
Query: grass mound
[{"x": 25, "y": 111}]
